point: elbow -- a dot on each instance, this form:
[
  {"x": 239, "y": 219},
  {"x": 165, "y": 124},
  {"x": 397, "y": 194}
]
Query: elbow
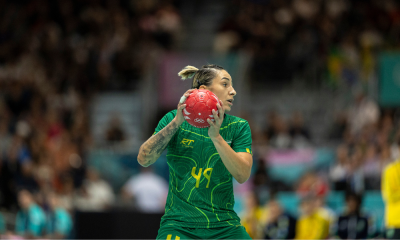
[
  {"x": 245, "y": 175},
  {"x": 143, "y": 161},
  {"x": 242, "y": 179}
]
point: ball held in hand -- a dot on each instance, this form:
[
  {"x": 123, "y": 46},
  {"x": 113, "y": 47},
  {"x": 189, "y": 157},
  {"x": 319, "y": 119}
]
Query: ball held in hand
[{"x": 199, "y": 106}]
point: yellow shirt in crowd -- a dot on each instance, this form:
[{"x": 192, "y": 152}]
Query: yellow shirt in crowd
[
  {"x": 391, "y": 194},
  {"x": 253, "y": 220},
  {"x": 313, "y": 226}
]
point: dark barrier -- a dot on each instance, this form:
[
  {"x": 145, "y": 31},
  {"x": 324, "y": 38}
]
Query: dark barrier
[{"x": 116, "y": 225}]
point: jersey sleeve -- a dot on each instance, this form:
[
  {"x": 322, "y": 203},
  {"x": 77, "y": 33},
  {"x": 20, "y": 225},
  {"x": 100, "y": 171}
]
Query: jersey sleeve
[
  {"x": 165, "y": 121},
  {"x": 242, "y": 141}
]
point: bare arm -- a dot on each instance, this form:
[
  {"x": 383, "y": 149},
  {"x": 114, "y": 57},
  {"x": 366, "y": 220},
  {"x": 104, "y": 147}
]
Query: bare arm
[
  {"x": 151, "y": 150},
  {"x": 238, "y": 164}
]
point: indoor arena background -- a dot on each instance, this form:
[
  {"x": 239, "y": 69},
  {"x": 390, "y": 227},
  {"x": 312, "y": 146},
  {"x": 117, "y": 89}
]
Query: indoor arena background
[{"x": 84, "y": 83}]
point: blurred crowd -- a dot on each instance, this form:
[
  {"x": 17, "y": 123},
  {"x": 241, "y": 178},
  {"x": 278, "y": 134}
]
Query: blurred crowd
[
  {"x": 54, "y": 56},
  {"x": 64, "y": 52},
  {"x": 311, "y": 39},
  {"x": 367, "y": 140},
  {"x": 314, "y": 221}
]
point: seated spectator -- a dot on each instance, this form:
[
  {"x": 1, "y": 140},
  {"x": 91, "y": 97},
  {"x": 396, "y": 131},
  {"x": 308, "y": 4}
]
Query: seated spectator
[
  {"x": 362, "y": 113},
  {"x": 114, "y": 132},
  {"x": 279, "y": 224},
  {"x": 59, "y": 222},
  {"x": 311, "y": 225},
  {"x": 261, "y": 181},
  {"x": 66, "y": 195},
  {"x": 281, "y": 139},
  {"x": 311, "y": 183},
  {"x": 339, "y": 127},
  {"x": 338, "y": 172},
  {"x": 372, "y": 169},
  {"x": 95, "y": 193},
  {"x": 355, "y": 180},
  {"x": 148, "y": 190},
  {"x": 31, "y": 219},
  {"x": 325, "y": 212},
  {"x": 2, "y": 225},
  {"x": 300, "y": 134},
  {"x": 272, "y": 121},
  {"x": 352, "y": 224},
  {"x": 252, "y": 215}
]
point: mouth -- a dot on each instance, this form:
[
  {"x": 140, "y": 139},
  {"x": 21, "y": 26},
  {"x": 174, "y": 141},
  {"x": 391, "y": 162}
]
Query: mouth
[{"x": 230, "y": 101}]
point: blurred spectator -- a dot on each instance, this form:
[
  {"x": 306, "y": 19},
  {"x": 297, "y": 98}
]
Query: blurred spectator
[
  {"x": 261, "y": 181},
  {"x": 272, "y": 121},
  {"x": 352, "y": 224},
  {"x": 363, "y": 112},
  {"x": 324, "y": 211},
  {"x": 339, "y": 127},
  {"x": 115, "y": 133},
  {"x": 300, "y": 134},
  {"x": 148, "y": 190},
  {"x": 66, "y": 195},
  {"x": 391, "y": 198},
  {"x": 372, "y": 169},
  {"x": 356, "y": 175},
  {"x": 95, "y": 193},
  {"x": 59, "y": 222},
  {"x": 279, "y": 224},
  {"x": 311, "y": 225},
  {"x": 281, "y": 138},
  {"x": 31, "y": 219},
  {"x": 311, "y": 183},
  {"x": 252, "y": 216},
  {"x": 2, "y": 224},
  {"x": 339, "y": 172}
]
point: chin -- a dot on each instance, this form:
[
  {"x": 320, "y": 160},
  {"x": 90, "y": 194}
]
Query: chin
[{"x": 227, "y": 108}]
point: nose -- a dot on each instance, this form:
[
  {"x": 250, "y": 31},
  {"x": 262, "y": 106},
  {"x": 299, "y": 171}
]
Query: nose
[{"x": 232, "y": 92}]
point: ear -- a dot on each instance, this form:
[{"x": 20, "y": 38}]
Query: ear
[{"x": 203, "y": 87}]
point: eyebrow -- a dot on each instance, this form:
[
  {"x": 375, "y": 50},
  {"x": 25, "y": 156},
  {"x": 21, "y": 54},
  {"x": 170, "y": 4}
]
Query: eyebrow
[{"x": 225, "y": 78}]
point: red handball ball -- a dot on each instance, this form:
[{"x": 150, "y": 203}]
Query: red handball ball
[{"x": 199, "y": 106}]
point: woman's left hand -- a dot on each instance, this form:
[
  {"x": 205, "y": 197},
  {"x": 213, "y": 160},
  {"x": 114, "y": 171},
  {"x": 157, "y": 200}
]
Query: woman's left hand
[{"x": 213, "y": 130}]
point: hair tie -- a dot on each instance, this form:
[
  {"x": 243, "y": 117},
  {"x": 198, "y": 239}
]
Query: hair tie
[
  {"x": 198, "y": 82},
  {"x": 192, "y": 75}
]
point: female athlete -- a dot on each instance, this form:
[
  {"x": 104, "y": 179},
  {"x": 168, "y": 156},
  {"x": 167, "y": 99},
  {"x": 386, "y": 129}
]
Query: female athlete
[{"x": 202, "y": 162}]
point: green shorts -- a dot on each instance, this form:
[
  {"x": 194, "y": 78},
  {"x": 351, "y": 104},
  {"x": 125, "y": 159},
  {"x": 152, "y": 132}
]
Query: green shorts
[{"x": 171, "y": 232}]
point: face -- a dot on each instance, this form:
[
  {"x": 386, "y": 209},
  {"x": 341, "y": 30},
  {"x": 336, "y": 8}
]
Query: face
[
  {"x": 25, "y": 199},
  {"x": 352, "y": 205},
  {"x": 275, "y": 210},
  {"x": 52, "y": 200},
  {"x": 222, "y": 87},
  {"x": 307, "y": 207}
]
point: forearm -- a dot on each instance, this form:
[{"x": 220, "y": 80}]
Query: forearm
[
  {"x": 238, "y": 167},
  {"x": 151, "y": 150}
]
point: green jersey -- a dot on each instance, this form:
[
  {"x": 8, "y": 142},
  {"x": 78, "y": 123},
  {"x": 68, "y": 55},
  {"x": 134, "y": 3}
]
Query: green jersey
[{"x": 200, "y": 187}]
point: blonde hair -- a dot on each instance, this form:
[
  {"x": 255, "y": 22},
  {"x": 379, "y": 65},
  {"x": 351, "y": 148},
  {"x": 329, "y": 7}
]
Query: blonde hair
[
  {"x": 202, "y": 76},
  {"x": 188, "y": 72}
]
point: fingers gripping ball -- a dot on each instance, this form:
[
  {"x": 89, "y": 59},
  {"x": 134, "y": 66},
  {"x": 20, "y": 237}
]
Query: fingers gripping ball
[{"x": 199, "y": 106}]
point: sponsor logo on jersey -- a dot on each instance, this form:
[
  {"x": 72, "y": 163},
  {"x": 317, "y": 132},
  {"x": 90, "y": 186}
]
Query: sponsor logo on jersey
[{"x": 187, "y": 142}]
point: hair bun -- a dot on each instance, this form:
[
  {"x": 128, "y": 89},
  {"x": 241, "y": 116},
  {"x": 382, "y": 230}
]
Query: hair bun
[{"x": 188, "y": 72}]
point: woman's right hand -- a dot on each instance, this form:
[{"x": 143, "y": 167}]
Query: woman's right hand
[{"x": 181, "y": 105}]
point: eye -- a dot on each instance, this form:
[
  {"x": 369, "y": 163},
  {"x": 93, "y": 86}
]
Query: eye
[{"x": 225, "y": 84}]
